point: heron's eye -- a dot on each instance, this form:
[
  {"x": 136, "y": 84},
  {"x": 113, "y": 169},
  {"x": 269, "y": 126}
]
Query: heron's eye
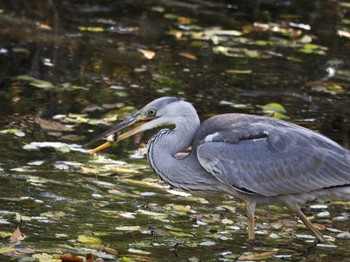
[{"x": 151, "y": 112}]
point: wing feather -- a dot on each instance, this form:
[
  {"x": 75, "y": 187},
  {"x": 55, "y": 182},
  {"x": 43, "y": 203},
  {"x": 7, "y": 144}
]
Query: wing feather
[{"x": 273, "y": 158}]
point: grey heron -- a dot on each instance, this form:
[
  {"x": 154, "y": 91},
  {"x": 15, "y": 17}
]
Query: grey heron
[{"x": 256, "y": 159}]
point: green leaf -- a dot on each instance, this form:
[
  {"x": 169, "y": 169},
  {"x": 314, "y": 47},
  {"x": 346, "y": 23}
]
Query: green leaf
[
  {"x": 90, "y": 241},
  {"x": 10, "y": 131},
  {"x": 6, "y": 249},
  {"x": 20, "y": 50},
  {"x": 35, "y": 82},
  {"x": 171, "y": 16},
  {"x": 273, "y": 108}
]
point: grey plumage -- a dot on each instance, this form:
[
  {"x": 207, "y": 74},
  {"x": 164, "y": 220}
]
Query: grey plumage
[{"x": 256, "y": 159}]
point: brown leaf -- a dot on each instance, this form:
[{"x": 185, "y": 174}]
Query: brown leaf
[
  {"x": 45, "y": 26},
  {"x": 319, "y": 226},
  {"x": 71, "y": 258},
  {"x": 158, "y": 232},
  {"x": 17, "y": 236},
  {"x": 188, "y": 55},
  {"x": 89, "y": 257},
  {"x": 52, "y": 125},
  {"x": 288, "y": 223},
  {"x": 110, "y": 250}
]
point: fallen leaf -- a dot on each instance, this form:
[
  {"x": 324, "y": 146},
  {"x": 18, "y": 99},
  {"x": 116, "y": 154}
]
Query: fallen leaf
[
  {"x": 110, "y": 250},
  {"x": 138, "y": 251},
  {"x": 89, "y": 257},
  {"x": 17, "y": 236},
  {"x": 187, "y": 55},
  {"x": 52, "y": 125},
  {"x": 343, "y": 33},
  {"x": 6, "y": 250},
  {"x": 89, "y": 241},
  {"x": 5, "y": 234},
  {"x": 45, "y": 26},
  {"x": 344, "y": 235},
  {"x": 273, "y": 108},
  {"x": 128, "y": 228},
  {"x": 258, "y": 256},
  {"x": 35, "y": 82},
  {"x": 158, "y": 232},
  {"x": 71, "y": 258},
  {"x": 44, "y": 257},
  {"x": 91, "y": 28},
  {"x": 288, "y": 223},
  {"x": 234, "y": 71},
  {"x": 147, "y": 53}
]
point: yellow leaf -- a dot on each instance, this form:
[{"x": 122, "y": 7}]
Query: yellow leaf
[{"x": 89, "y": 241}]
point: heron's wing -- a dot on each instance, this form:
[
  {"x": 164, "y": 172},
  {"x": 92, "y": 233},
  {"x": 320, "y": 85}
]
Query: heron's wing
[{"x": 274, "y": 158}]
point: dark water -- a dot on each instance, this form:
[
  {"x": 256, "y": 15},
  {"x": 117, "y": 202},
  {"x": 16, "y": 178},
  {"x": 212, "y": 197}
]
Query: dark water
[{"x": 73, "y": 62}]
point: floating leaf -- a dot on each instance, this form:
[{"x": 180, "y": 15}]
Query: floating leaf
[
  {"x": 10, "y": 131},
  {"x": 17, "y": 236},
  {"x": 171, "y": 16},
  {"x": 138, "y": 251},
  {"x": 234, "y": 71},
  {"x": 151, "y": 213},
  {"x": 178, "y": 193},
  {"x": 227, "y": 221},
  {"x": 327, "y": 87},
  {"x": 207, "y": 243},
  {"x": 188, "y": 55},
  {"x": 69, "y": 86},
  {"x": 344, "y": 235},
  {"x": 35, "y": 82},
  {"x": 91, "y": 28},
  {"x": 212, "y": 32},
  {"x": 56, "y": 145},
  {"x": 71, "y": 258},
  {"x": 158, "y": 9},
  {"x": 258, "y": 256},
  {"x": 158, "y": 232},
  {"x": 147, "y": 53},
  {"x": 44, "y": 26},
  {"x": 52, "y": 125},
  {"x": 44, "y": 257},
  {"x": 128, "y": 228},
  {"x": 182, "y": 208},
  {"x": 20, "y": 50},
  {"x": 90, "y": 241},
  {"x": 180, "y": 234},
  {"x": 312, "y": 49},
  {"x": 5, "y": 234},
  {"x": 6, "y": 249},
  {"x": 273, "y": 108}
]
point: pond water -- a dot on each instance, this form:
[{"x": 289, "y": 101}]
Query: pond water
[{"x": 71, "y": 69}]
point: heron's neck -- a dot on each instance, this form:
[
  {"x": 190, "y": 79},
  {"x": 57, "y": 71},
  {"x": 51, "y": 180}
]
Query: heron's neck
[{"x": 185, "y": 173}]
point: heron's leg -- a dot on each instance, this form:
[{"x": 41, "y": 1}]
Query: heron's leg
[
  {"x": 294, "y": 208},
  {"x": 250, "y": 209}
]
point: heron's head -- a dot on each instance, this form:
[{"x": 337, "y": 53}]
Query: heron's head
[{"x": 160, "y": 112}]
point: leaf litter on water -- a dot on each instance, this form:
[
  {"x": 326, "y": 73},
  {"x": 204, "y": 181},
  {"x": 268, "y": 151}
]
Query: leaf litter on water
[{"x": 59, "y": 146}]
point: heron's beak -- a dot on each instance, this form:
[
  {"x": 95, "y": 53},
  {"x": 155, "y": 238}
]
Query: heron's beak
[{"x": 133, "y": 120}]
